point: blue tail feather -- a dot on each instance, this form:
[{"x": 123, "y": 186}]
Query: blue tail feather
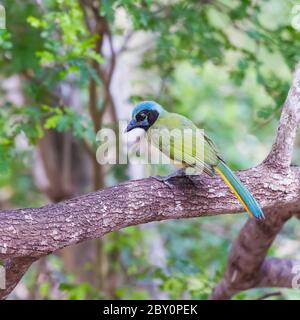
[{"x": 241, "y": 192}]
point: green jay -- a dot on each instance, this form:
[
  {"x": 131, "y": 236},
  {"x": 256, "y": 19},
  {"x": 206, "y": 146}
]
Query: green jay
[{"x": 152, "y": 117}]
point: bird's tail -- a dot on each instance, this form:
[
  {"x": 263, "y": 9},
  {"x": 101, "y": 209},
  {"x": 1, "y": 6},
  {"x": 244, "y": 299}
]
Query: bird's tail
[{"x": 240, "y": 191}]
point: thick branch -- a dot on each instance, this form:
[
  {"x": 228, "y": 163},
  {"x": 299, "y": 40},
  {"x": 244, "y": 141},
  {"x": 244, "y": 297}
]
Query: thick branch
[
  {"x": 36, "y": 232},
  {"x": 278, "y": 273},
  {"x": 246, "y": 263},
  {"x": 273, "y": 273},
  {"x": 282, "y": 150},
  {"x": 15, "y": 269},
  {"x": 33, "y": 233}
]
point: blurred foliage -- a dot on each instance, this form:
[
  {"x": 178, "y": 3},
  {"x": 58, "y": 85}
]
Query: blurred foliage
[{"x": 225, "y": 64}]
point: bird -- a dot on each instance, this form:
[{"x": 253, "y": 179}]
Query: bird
[{"x": 153, "y": 118}]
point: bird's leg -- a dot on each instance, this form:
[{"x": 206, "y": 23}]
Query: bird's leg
[{"x": 177, "y": 173}]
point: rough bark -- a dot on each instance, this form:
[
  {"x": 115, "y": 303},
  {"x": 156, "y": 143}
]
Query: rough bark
[
  {"x": 273, "y": 272},
  {"x": 30, "y": 233},
  {"x": 282, "y": 150},
  {"x": 35, "y": 232}
]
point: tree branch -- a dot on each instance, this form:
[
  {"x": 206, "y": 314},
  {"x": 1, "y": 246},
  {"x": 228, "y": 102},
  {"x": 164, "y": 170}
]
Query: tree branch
[
  {"x": 282, "y": 150},
  {"x": 15, "y": 268},
  {"x": 272, "y": 273},
  {"x": 38, "y": 231},
  {"x": 35, "y": 232},
  {"x": 246, "y": 263}
]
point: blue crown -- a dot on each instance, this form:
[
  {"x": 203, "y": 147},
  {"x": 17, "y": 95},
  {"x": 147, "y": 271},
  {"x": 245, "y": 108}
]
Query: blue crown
[{"x": 147, "y": 105}]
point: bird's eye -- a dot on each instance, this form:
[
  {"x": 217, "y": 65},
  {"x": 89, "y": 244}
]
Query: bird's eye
[{"x": 141, "y": 116}]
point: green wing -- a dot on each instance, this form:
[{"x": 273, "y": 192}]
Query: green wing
[{"x": 189, "y": 153}]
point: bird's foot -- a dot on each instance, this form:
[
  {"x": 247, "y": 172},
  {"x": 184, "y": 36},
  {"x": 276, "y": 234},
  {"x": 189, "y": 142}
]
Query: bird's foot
[
  {"x": 178, "y": 173},
  {"x": 190, "y": 178},
  {"x": 164, "y": 180}
]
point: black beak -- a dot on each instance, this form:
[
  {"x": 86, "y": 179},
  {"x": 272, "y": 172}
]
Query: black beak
[{"x": 131, "y": 125}]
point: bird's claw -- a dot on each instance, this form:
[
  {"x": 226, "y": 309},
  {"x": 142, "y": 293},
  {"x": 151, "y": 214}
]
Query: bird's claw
[
  {"x": 191, "y": 180},
  {"x": 164, "y": 180}
]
